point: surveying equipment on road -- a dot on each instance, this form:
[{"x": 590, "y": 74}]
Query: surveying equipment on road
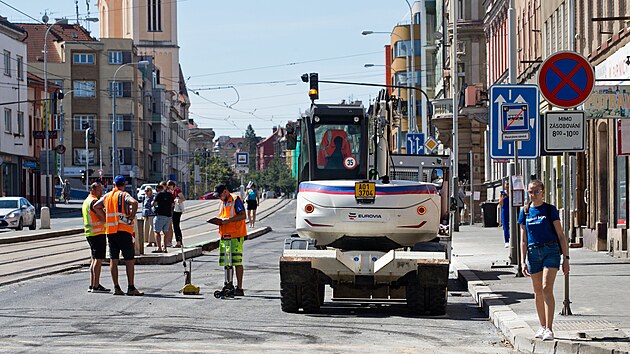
[
  {"x": 189, "y": 288},
  {"x": 228, "y": 285}
]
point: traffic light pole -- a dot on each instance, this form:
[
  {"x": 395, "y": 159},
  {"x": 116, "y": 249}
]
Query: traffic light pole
[{"x": 87, "y": 160}]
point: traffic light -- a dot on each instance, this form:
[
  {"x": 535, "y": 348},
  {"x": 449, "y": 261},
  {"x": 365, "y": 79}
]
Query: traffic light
[
  {"x": 92, "y": 136},
  {"x": 53, "y": 97},
  {"x": 291, "y": 136},
  {"x": 313, "y": 92},
  {"x": 83, "y": 175},
  {"x": 85, "y": 125}
]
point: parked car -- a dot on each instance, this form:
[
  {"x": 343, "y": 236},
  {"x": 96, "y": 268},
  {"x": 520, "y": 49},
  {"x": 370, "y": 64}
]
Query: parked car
[
  {"x": 208, "y": 196},
  {"x": 140, "y": 192},
  {"x": 15, "y": 212}
]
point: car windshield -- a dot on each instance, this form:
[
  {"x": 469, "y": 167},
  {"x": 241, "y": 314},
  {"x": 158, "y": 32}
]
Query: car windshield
[{"x": 8, "y": 204}]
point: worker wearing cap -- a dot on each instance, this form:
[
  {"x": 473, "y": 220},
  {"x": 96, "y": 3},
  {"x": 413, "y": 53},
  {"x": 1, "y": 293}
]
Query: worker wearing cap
[
  {"x": 120, "y": 214},
  {"x": 232, "y": 216}
]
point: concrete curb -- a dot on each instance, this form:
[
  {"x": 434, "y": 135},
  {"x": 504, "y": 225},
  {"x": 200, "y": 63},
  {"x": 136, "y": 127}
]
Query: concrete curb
[
  {"x": 42, "y": 236},
  {"x": 517, "y": 331},
  {"x": 191, "y": 251}
]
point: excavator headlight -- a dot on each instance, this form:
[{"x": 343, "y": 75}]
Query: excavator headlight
[
  {"x": 421, "y": 210},
  {"x": 309, "y": 208}
]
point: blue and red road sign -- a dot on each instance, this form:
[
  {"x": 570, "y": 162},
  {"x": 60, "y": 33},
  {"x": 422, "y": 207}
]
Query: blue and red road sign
[{"x": 566, "y": 79}]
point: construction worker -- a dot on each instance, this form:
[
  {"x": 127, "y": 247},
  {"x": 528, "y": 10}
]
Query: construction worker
[
  {"x": 120, "y": 215},
  {"x": 232, "y": 222},
  {"x": 94, "y": 225}
]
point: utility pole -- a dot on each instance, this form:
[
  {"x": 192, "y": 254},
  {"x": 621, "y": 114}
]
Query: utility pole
[
  {"x": 87, "y": 159},
  {"x": 455, "y": 226}
]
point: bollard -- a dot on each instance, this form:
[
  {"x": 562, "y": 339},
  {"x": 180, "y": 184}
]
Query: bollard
[
  {"x": 139, "y": 241},
  {"x": 45, "y": 218}
]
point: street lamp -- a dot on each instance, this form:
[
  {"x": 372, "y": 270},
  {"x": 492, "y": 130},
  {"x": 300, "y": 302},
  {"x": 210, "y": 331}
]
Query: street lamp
[
  {"x": 142, "y": 63},
  {"x": 46, "y": 128},
  {"x": 46, "y": 120}
]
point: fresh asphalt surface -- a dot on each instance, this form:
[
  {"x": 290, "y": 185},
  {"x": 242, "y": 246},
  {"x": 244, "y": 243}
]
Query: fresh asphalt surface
[{"x": 57, "y": 314}]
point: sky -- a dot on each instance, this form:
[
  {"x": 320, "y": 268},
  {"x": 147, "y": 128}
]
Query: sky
[{"x": 242, "y": 60}]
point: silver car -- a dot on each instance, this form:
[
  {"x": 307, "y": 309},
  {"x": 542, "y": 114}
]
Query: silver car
[{"x": 16, "y": 212}]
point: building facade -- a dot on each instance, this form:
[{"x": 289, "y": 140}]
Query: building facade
[{"x": 15, "y": 126}]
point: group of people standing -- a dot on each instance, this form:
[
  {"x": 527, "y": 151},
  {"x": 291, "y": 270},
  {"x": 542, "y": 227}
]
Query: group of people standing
[
  {"x": 162, "y": 213},
  {"x": 109, "y": 220},
  {"x": 543, "y": 243}
]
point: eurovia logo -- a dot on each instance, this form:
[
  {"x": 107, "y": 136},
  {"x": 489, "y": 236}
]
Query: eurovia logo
[{"x": 353, "y": 216}]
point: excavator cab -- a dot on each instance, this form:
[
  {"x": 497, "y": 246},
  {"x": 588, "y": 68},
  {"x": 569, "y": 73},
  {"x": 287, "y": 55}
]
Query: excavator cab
[{"x": 333, "y": 143}]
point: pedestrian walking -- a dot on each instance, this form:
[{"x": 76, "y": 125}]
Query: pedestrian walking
[
  {"x": 94, "y": 226},
  {"x": 120, "y": 214},
  {"x": 231, "y": 223},
  {"x": 504, "y": 202},
  {"x": 148, "y": 215},
  {"x": 542, "y": 243},
  {"x": 65, "y": 191},
  {"x": 168, "y": 239},
  {"x": 252, "y": 203},
  {"x": 163, "y": 204},
  {"x": 178, "y": 210}
]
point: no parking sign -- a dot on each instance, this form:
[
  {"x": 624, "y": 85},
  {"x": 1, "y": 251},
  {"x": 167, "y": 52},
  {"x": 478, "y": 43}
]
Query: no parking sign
[{"x": 566, "y": 79}]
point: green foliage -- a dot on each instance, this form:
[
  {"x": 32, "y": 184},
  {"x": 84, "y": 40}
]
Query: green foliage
[
  {"x": 276, "y": 177},
  {"x": 249, "y": 145},
  {"x": 213, "y": 170}
]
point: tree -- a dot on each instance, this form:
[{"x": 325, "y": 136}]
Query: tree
[
  {"x": 277, "y": 177},
  {"x": 249, "y": 145}
]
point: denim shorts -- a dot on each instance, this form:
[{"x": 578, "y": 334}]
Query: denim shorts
[
  {"x": 161, "y": 223},
  {"x": 547, "y": 256}
]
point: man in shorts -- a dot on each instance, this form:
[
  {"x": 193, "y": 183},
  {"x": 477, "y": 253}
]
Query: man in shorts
[
  {"x": 163, "y": 204},
  {"x": 94, "y": 225},
  {"x": 120, "y": 215},
  {"x": 231, "y": 223}
]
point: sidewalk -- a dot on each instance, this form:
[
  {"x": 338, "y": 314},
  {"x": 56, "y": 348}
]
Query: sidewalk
[{"x": 599, "y": 294}]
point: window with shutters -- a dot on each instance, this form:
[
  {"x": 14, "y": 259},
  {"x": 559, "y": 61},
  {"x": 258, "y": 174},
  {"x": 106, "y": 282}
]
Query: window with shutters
[
  {"x": 154, "y": 15},
  {"x": 81, "y": 119},
  {"x": 83, "y": 58},
  {"x": 20, "y": 67},
  {"x": 123, "y": 122},
  {"x": 117, "y": 57},
  {"x": 79, "y": 156},
  {"x": 7, "y": 63},
  {"x": 8, "y": 120},
  {"x": 122, "y": 88}
]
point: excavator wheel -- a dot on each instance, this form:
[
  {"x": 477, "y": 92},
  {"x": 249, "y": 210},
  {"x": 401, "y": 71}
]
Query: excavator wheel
[{"x": 289, "y": 300}]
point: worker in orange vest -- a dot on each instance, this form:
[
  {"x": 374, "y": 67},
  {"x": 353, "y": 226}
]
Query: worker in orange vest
[
  {"x": 120, "y": 215},
  {"x": 94, "y": 225},
  {"x": 231, "y": 222}
]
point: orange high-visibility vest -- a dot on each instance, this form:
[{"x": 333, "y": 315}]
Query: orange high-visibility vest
[
  {"x": 234, "y": 229},
  {"x": 115, "y": 207},
  {"x": 91, "y": 223}
]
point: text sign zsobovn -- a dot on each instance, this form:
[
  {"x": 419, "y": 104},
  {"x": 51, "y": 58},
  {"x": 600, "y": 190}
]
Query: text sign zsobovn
[{"x": 564, "y": 131}]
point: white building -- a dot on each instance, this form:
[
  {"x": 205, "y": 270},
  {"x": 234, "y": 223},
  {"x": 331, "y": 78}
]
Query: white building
[{"x": 15, "y": 128}]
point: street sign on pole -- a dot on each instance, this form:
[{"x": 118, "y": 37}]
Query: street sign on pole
[
  {"x": 431, "y": 144},
  {"x": 519, "y": 120},
  {"x": 564, "y": 131},
  {"x": 415, "y": 144},
  {"x": 242, "y": 158},
  {"x": 566, "y": 79}
]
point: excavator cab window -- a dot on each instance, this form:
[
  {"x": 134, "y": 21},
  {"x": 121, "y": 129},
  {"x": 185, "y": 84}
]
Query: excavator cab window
[{"x": 338, "y": 147}]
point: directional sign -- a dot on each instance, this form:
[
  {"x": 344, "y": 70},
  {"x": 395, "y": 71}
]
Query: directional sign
[
  {"x": 242, "y": 158},
  {"x": 564, "y": 131},
  {"x": 515, "y": 98},
  {"x": 415, "y": 144},
  {"x": 566, "y": 79}
]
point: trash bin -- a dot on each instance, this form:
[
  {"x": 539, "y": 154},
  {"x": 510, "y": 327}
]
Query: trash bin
[{"x": 489, "y": 214}]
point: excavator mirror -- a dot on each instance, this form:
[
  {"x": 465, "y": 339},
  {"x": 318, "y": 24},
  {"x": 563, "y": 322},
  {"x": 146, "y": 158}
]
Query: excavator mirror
[{"x": 437, "y": 177}]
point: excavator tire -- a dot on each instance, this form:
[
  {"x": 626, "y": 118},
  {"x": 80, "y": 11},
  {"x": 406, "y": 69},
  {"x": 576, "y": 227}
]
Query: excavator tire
[
  {"x": 426, "y": 300},
  {"x": 415, "y": 297},
  {"x": 310, "y": 297},
  {"x": 322, "y": 293},
  {"x": 289, "y": 300}
]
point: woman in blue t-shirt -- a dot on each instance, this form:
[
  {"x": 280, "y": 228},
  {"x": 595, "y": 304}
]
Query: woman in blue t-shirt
[{"x": 542, "y": 241}]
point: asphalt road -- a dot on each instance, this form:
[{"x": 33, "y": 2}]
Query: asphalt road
[{"x": 56, "y": 314}]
